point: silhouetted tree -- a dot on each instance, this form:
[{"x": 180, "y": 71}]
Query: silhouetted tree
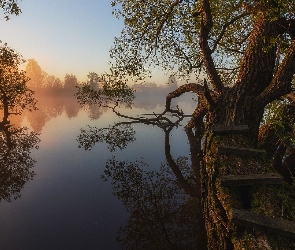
[
  {"x": 70, "y": 84},
  {"x": 94, "y": 80},
  {"x": 36, "y": 74},
  {"x": 15, "y": 96}
]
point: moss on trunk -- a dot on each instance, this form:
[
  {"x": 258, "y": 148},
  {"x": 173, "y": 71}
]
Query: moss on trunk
[{"x": 218, "y": 201}]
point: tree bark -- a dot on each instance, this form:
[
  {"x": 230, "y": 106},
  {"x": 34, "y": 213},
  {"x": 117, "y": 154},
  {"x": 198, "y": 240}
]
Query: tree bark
[
  {"x": 259, "y": 82},
  {"x": 241, "y": 105}
]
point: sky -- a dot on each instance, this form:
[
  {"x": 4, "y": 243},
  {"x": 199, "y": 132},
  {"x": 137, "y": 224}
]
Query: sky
[{"x": 63, "y": 36}]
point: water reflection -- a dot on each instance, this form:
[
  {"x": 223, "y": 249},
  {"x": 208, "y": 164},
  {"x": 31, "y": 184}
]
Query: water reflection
[
  {"x": 15, "y": 142},
  {"x": 52, "y": 104},
  {"x": 15, "y": 160},
  {"x": 66, "y": 206},
  {"x": 162, "y": 215},
  {"x": 164, "y": 202},
  {"x": 117, "y": 136}
]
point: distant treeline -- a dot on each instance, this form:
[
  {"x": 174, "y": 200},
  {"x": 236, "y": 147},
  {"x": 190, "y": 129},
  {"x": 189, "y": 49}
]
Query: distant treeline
[
  {"x": 43, "y": 83},
  {"x": 55, "y": 96}
]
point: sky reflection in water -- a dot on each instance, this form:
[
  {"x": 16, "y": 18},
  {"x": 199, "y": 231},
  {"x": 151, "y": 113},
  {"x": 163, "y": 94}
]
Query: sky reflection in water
[{"x": 67, "y": 205}]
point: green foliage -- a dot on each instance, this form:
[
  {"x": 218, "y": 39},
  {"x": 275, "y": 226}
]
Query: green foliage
[
  {"x": 166, "y": 34},
  {"x": 9, "y": 7},
  {"x": 140, "y": 45},
  {"x": 280, "y": 122},
  {"x": 274, "y": 113},
  {"x": 109, "y": 91}
]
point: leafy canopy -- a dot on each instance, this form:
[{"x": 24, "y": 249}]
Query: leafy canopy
[
  {"x": 14, "y": 92},
  {"x": 166, "y": 33}
]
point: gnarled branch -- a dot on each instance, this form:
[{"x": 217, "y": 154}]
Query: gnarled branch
[
  {"x": 206, "y": 26},
  {"x": 282, "y": 81},
  {"x": 190, "y": 87}
]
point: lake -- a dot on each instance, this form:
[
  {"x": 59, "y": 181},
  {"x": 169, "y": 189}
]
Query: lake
[{"x": 67, "y": 205}]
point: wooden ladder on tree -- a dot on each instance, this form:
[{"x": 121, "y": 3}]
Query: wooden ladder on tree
[
  {"x": 271, "y": 224},
  {"x": 246, "y": 218}
]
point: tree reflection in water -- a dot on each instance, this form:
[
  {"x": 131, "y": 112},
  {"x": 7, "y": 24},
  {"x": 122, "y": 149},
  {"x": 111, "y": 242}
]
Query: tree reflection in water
[
  {"x": 15, "y": 142},
  {"x": 165, "y": 205},
  {"x": 117, "y": 136},
  {"x": 15, "y": 160},
  {"x": 163, "y": 216}
]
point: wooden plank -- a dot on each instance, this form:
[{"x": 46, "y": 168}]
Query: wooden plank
[
  {"x": 242, "y": 151},
  {"x": 252, "y": 179},
  {"x": 153, "y": 114},
  {"x": 233, "y": 129},
  {"x": 264, "y": 223}
]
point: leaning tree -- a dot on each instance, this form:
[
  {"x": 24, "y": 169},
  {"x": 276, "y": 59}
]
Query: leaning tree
[
  {"x": 243, "y": 48},
  {"x": 245, "y": 53}
]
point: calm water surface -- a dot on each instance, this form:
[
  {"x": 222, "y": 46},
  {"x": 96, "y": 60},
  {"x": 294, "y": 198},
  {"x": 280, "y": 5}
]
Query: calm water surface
[{"x": 67, "y": 205}]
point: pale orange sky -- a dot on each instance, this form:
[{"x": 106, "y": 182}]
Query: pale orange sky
[{"x": 65, "y": 36}]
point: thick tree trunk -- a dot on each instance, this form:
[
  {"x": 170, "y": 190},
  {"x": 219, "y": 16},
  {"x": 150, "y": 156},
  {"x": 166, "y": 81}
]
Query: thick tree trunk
[
  {"x": 195, "y": 142},
  {"x": 258, "y": 82},
  {"x": 216, "y": 215},
  {"x": 236, "y": 106}
]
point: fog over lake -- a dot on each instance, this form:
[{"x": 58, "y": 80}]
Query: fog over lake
[{"x": 67, "y": 205}]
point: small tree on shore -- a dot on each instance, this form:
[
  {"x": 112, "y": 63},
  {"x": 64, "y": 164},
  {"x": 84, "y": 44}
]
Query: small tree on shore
[{"x": 15, "y": 96}]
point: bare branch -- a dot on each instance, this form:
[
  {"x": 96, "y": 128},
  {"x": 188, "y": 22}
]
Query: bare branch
[
  {"x": 158, "y": 120},
  {"x": 235, "y": 51},
  {"x": 190, "y": 87},
  {"x": 229, "y": 69}
]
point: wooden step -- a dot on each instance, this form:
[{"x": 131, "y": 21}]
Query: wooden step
[
  {"x": 233, "y": 129},
  {"x": 251, "y": 179},
  {"x": 264, "y": 223},
  {"x": 242, "y": 151}
]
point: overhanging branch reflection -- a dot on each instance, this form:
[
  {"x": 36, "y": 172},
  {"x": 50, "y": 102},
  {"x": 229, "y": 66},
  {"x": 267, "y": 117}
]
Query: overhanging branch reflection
[{"x": 165, "y": 205}]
